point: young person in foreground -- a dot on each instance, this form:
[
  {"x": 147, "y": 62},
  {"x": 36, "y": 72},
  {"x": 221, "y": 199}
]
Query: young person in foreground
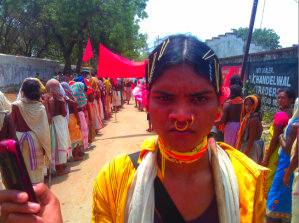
[{"x": 193, "y": 182}]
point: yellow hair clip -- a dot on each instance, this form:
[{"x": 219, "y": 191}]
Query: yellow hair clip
[
  {"x": 151, "y": 73},
  {"x": 163, "y": 48},
  {"x": 206, "y": 54},
  {"x": 209, "y": 56},
  {"x": 217, "y": 74}
]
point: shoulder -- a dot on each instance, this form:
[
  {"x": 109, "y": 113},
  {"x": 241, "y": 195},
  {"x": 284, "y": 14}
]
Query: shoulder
[
  {"x": 281, "y": 118},
  {"x": 294, "y": 127},
  {"x": 242, "y": 165},
  {"x": 115, "y": 169},
  {"x": 254, "y": 120}
]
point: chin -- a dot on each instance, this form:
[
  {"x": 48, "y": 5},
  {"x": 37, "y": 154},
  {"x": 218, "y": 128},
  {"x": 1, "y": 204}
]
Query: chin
[{"x": 182, "y": 143}]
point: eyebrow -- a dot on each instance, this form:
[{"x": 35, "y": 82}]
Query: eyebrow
[{"x": 192, "y": 95}]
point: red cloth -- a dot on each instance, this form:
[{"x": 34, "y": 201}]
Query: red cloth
[
  {"x": 88, "y": 54},
  {"x": 89, "y": 88},
  {"x": 114, "y": 66}
]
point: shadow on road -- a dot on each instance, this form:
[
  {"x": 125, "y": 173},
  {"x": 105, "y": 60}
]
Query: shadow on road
[{"x": 130, "y": 136}]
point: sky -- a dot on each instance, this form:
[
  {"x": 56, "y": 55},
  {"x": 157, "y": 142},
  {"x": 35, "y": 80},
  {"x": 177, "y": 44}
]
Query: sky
[{"x": 210, "y": 18}]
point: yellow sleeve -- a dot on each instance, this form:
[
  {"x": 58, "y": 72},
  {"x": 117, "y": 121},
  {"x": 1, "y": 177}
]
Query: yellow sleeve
[
  {"x": 100, "y": 203},
  {"x": 110, "y": 190},
  {"x": 259, "y": 207}
]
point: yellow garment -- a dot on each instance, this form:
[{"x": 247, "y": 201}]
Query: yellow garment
[
  {"x": 268, "y": 177},
  {"x": 74, "y": 129},
  {"x": 36, "y": 176},
  {"x": 43, "y": 90},
  {"x": 35, "y": 116},
  {"x": 107, "y": 84},
  {"x": 114, "y": 180}
]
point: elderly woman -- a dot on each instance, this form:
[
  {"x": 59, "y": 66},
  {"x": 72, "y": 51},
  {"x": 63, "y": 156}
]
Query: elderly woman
[
  {"x": 179, "y": 177},
  {"x": 31, "y": 122}
]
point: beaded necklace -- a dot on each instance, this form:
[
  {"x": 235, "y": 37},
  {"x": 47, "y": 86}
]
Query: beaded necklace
[{"x": 177, "y": 157}]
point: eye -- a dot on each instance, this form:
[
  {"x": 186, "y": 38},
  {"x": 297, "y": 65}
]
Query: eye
[
  {"x": 164, "y": 98},
  {"x": 200, "y": 98}
]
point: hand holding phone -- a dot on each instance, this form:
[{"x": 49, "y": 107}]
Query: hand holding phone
[
  {"x": 15, "y": 208},
  {"x": 14, "y": 170},
  {"x": 19, "y": 202}
]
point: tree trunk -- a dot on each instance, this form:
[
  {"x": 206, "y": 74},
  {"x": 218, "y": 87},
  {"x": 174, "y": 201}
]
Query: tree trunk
[
  {"x": 67, "y": 65},
  {"x": 80, "y": 56}
]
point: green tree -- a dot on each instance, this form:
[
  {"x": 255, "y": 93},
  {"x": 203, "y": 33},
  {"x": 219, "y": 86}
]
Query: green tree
[
  {"x": 266, "y": 37},
  {"x": 109, "y": 22},
  {"x": 23, "y": 28},
  {"x": 59, "y": 29}
]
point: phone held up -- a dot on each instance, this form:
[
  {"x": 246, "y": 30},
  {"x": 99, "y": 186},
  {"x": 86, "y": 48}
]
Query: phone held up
[{"x": 14, "y": 170}]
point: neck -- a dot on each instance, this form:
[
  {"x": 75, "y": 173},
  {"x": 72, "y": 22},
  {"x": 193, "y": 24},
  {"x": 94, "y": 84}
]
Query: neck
[
  {"x": 188, "y": 170},
  {"x": 285, "y": 107}
]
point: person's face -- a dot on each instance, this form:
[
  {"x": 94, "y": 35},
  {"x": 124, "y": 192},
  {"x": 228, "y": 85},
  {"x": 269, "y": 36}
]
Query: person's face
[
  {"x": 248, "y": 105},
  {"x": 177, "y": 95},
  {"x": 283, "y": 100}
]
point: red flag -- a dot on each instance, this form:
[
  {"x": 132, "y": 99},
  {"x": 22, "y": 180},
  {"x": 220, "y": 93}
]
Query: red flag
[{"x": 88, "y": 54}]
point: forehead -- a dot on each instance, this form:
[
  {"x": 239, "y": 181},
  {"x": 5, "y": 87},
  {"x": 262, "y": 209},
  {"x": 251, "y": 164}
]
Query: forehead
[
  {"x": 181, "y": 78},
  {"x": 282, "y": 94},
  {"x": 248, "y": 101}
]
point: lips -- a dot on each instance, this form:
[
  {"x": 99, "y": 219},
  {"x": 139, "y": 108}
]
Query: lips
[{"x": 184, "y": 133}]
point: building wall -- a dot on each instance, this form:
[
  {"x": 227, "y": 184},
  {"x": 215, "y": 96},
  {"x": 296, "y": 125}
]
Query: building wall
[
  {"x": 231, "y": 44},
  {"x": 14, "y": 69},
  {"x": 267, "y": 72}
]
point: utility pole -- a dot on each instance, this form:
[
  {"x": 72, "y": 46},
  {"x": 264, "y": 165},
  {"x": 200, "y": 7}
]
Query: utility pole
[
  {"x": 251, "y": 24},
  {"x": 157, "y": 40}
]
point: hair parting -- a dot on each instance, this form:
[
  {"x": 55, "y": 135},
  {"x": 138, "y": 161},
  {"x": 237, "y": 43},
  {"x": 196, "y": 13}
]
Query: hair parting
[{"x": 182, "y": 49}]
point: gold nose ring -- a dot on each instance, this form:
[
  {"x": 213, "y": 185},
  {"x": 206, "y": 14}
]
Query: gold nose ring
[
  {"x": 192, "y": 120},
  {"x": 183, "y": 129}
]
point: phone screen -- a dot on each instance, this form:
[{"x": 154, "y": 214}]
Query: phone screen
[{"x": 10, "y": 171}]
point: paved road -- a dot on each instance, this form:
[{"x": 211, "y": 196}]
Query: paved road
[{"x": 118, "y": 137}]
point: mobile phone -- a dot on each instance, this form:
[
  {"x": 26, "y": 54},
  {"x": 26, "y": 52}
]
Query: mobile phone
[{"x": 14, "y": 170}]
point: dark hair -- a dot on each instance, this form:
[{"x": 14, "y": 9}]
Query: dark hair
[
  {"x": 31, "y": 89},
  {"x": 235, "y": 79},
  {"x": 289, "y": 92},
  {"x": 184, "y": 49},
  {"x": 259, "y": 104},
  {"x": 235, "y": 91}
]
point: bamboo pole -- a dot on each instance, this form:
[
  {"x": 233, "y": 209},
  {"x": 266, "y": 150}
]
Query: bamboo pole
[
  {"x": 219, "y": 191},
  {"x": 250, "y": 29},
  {"x": 89, "y": 69},
  {"x": 115, "y": 106}
]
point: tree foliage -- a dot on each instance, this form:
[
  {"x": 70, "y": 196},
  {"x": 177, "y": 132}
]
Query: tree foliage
[
  {"x": 266, "y": 37},
  {"x": 59, "y": 29}
]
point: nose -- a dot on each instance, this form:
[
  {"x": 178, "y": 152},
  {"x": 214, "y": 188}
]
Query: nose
[{"x": 182, "y": 113}]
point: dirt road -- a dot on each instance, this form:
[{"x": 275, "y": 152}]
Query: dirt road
[{"x": 118, "y": 137}]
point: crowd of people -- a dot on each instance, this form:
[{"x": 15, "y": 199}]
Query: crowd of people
[
  {"x": 241, "y": 122},
  {"x": 181, "y": 174},
  {"x": 57, "y": 121}
]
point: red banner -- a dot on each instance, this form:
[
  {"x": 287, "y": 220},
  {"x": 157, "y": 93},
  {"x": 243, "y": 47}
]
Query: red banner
[
  {"x": 229, "y": 71},
  {"x": 115, "y": 66}
]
